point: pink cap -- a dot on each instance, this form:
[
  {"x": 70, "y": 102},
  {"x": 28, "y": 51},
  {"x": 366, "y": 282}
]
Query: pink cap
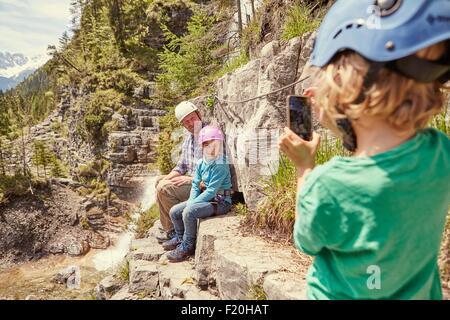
[{"x": 209, "y": 133}]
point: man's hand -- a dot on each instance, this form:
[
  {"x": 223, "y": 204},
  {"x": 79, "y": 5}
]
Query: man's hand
[
  {"x": 301, "y": 152},
  {"x": 172, "y": 175},
  {"x": 181, "y": 180}
]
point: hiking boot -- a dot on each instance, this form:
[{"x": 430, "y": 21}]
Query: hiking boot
[
  {"x": 172, "y": 243},
  {"x": 181, "y": 253},
  {"x": 165, "y": 236}
]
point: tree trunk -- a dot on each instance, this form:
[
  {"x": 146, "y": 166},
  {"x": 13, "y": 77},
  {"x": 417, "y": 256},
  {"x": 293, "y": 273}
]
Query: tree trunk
[
  {"x": 24, "y": 161},
  {"x": 239, "y": 16},
  {"x": 2, "y": 161},
  {"x": 253, "y": 8}
]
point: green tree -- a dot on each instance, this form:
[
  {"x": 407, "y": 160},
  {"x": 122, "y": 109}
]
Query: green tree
[
  {"x": 187, "y": 60},
  {"x": 57, "y": 169},
  {"x": 42, "y": 157}
]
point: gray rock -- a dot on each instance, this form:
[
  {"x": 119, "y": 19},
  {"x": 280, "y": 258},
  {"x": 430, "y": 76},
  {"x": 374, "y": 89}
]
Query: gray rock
[
  {"x": 98, "y": 241},
  {"x": 76, "y": 247},
  {"x": 156, "y": 230},
  {"x": 124, "y": 294},
  {"x": 70, "y": 276},
  {"x": 176, "y": 280},
  {"x": 252, "y": 128},
  {"x": 284, "y": 286},
  {"x": 147, "y": 249},
  {"x": 236, "y": 263},
  {"x": 107, "y": 288},
  {"x": 143, "y": 276}
]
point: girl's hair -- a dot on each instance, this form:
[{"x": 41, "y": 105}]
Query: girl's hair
[{"x": 403, "y": 102}]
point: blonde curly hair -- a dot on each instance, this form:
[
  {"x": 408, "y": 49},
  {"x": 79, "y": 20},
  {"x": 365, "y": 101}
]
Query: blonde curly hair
[{"x": 403, "y": 102}]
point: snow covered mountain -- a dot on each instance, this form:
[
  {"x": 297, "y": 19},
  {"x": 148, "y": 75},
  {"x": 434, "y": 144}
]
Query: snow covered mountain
[{"x": 15, "y": 67}]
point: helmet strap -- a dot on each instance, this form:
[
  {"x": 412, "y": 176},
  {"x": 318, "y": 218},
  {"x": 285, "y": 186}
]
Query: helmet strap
[
  {"x": 345, "y": 125},
  {"x": 369, "y": 79},
  {"x": 422, "y": 70}
]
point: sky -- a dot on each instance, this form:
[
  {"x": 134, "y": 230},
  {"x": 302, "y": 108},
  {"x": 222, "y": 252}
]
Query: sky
[{"x": 29, "y": 26}]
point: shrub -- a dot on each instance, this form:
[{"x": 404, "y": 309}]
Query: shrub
[
  {"x": 124, "y": 272},
  {"x": 301, "y": 19},
  {"x": 146, "y": 221},
  {"x": 234, "y": 64},
  {"x": 442, "y": 120},
  {"x": 100, "y": 107},
  {"x": 167, "y": 124},
  {"x": 276, "y": 213},
  {"x": 187, "y": 60},
  {"x": 257, "y": 293},
  {"x": 16, "y": 185}
]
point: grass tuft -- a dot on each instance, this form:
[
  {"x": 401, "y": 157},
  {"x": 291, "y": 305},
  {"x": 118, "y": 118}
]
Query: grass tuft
[
  {"x": 301, "y": 19},
  {"x": 146, "y": 221}
]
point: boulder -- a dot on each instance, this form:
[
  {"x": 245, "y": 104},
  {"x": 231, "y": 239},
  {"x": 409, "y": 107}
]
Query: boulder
[
  {"x": 235, "y": 263},
  {"x": 176, "y": 280},
  {"x": 284, "y": 286},
  {"x": 253, "y": 128},
  {"x": 107, "y": 288},
  {"x": 143, "y": 276},
  {"x": 70, "y": 276},
  {"x": 147, "y": 249},
  {"x": 98, "y": 241},
  {"x": 75, "y": 246}
]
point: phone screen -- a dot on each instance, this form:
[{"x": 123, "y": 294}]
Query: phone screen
[{"x": 300, "y": 117}]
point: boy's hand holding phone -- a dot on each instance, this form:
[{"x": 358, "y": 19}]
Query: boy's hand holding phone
[
  {"x": 298, "y": 142},
  {"x": 301, "y": 152}
]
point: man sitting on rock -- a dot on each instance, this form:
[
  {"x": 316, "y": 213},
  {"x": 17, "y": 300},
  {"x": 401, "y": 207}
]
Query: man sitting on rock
[{"x": 175, "y": 187}]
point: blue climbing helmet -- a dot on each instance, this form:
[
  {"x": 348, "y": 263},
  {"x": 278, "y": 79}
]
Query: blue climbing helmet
[{"x": 388, "y": 33}]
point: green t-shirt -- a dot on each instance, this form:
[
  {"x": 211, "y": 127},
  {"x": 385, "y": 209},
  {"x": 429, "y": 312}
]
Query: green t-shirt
[{"x": 375, "y": 224}]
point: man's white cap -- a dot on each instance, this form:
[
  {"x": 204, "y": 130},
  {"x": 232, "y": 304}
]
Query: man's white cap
[{"x": 183, "y": 109}]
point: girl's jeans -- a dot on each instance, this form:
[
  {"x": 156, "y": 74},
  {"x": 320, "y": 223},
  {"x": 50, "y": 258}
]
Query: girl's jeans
[{"x": 184, "y": 218}]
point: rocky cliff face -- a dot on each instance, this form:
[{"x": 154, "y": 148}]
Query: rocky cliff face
[
  {"x": 130, "y": 148},
  {"x": 253, "y": 127},
  {"x": 55, "y": 219}
]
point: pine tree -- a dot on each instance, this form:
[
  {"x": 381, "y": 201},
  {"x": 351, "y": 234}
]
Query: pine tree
[
  {"x": 42, "y": 157},
  {"x": 57, "y": 170},
  {"x": 5, "y": 154}
]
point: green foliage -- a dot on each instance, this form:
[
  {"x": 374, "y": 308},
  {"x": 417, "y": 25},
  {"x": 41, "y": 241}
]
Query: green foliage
[
  {"x": 57, "y": 168},
  {"x": 95, "y": 170},
  {"x": 167, "y": 124},
  {"x": 145, "y": 221},
  {"x": 251, "y": 35},
  {"x": 187, "y": 60},
  {"x": 124, "y": 272},
  {"x": 234, "y": 64},
  {"x": 442, "y": 120},
  {"x": 5, "y": 154},
  {"x": 257, "y": 293},
  {"x": 84, "y": 223},
  {"x": 60, "y": 128},
  {"x": 46, "y": 159},
  {"x": 96, "y": 124},
  {"x": 329, "y": 148},
  {"x": 301, "y": 19},
  {"x": 16, "y": 185},
  {"x": 42, "y": 157},
  {"x": 241, "y": 209},
  {"x": 276, "y": 214}
]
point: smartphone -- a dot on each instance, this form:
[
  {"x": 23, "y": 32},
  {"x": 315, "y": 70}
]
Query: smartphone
[{"x": 300, "y": 116}]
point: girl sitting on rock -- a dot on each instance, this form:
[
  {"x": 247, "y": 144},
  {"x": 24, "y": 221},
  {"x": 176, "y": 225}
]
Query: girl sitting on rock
[{"x": 210, "y": 195}]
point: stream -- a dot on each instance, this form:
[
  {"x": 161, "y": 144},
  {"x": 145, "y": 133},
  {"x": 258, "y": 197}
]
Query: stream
[{"x": 33, "y": 280}]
